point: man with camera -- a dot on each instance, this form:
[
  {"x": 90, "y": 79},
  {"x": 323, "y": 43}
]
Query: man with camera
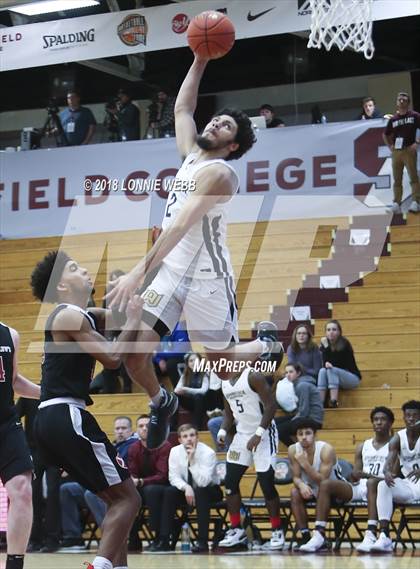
[
  {"x": 124, "y": 118},
  {"x": 78, "y": 122}
]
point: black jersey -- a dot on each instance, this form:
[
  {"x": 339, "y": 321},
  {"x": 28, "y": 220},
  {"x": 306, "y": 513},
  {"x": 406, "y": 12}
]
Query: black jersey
[
  {"x": 7, "y": 352},
  {"x": 66, "y": 373}
]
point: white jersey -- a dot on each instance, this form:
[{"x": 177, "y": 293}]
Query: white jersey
[
  {"x": 246, "y": 405},
  {"x": 374, "y": 459},
  {"x": 202, "y": 253},
  {"x": 409, "y": 459},
  {"x": 316, "y": 465}
]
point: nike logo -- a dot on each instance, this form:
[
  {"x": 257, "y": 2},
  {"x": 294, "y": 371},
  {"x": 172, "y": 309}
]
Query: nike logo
[
  {"x": 252, "y": 17},
  {"x": 213, "y": 291}
]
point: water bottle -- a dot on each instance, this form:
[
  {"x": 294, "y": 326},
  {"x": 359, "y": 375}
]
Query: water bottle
[{"x": 185, "y": 538}]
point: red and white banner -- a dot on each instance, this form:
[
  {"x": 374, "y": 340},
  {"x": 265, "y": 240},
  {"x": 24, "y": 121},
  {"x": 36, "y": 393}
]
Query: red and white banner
[
  {"x": 161, "y": 27},
  {"x": 338, "y": 169}
]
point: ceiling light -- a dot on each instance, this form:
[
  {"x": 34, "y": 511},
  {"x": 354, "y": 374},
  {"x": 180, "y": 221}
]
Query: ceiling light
[{"x": 48, "y": 6}]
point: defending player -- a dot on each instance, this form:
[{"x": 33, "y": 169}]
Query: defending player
[
  {"x": 195, "y": 274},
  {"x": 369, "y": 463},
  {"x": 15, "y": 459},
  {"x": 250, "y": 403},
  {"x": 67, "y": 435},
  {"x": 404, "y": 452}
]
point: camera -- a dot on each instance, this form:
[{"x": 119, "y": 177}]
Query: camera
[{"x": 52, "y": 107}]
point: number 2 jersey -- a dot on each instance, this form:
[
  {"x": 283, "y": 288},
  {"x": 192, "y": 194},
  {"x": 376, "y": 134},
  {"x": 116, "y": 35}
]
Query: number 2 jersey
[
  {"x": 202, "y": 253},
  {"x": 245, "y": 403},
  {"x": 373, "y": 459}
]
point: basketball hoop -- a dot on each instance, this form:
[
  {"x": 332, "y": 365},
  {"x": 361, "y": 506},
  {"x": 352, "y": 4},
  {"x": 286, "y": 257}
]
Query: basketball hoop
[{"x": 344, "y": 23}]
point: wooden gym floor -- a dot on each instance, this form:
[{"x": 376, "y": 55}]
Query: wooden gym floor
[{"x": 346, "y": 559}]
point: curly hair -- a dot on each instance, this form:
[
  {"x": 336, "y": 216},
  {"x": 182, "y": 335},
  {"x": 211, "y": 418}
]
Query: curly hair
[
  {"x": 47, "y": 274},
  {"x": 412, "y": 404},
  {"x": 245, "y": 136},
  {"x": 383, "y": 410}
]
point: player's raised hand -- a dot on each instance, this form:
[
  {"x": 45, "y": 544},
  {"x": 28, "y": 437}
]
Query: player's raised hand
[{"x": 123, "y": 289}]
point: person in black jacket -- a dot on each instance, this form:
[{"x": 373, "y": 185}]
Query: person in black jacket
[{"x": 339, "y": 366}]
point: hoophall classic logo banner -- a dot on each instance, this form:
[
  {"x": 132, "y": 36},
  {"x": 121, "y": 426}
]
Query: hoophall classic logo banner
[
  {"x": 305, "y": 172},
  {"x": 161, "y": 27}
]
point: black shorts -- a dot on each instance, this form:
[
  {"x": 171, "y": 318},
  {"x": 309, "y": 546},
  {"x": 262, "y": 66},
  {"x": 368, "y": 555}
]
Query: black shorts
[
  {"x": 70, "y": 438},
  {"x": 15, "y": 457}
]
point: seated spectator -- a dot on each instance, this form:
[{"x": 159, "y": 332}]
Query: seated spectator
[
  {"x": 369, "y": 110},
  {"x": 339, "y": 365},
  {"x": 192, "y": 388},
  {"x": 312, "y": 462},
  {"x": 214, "y": 396},
  {"x": 78, "y": 123},
  {"x": 108, "y": 380},
  {"x": 368, "y": 470},
  {"x": 124, "y": 436},
  {"x": 149, "y": 472},
  {"x": 309, "y": 404},
  {"x": 194, "y": 483},
  {"x": 271, "y": 120},
  {"x": 303, "y": 350}
]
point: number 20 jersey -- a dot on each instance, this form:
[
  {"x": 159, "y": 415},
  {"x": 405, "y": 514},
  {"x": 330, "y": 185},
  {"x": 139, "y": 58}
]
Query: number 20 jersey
[{"x": 374, "y": 459}]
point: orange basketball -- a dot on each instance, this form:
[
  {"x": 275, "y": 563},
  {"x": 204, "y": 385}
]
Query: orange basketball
[{"x": 211, "y": 34}]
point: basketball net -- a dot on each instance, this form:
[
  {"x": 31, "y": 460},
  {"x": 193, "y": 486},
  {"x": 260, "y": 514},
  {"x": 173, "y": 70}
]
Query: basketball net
[{"x": 344, "y": 23}]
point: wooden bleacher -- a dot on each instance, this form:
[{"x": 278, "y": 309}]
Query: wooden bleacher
[{"x": 380, "y": 314}]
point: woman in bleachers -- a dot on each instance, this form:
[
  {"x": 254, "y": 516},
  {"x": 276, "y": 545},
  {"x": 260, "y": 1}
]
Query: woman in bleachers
[
  {"x": 192, "y": 389},
  {"x": 339, "y": 365},
  {"x": 304, "y": 351}
]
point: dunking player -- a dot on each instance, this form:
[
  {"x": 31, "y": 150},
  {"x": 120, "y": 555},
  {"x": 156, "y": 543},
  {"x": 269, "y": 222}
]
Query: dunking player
[
  {"x": 250, "y": 403},
  {"x": 195, "y": 272},
  {"x": 404, "y": 452},
  {"x": 368, "y": 470},
  {"x": 67, "y": 435},
  {"x": 15, "y": 460}
]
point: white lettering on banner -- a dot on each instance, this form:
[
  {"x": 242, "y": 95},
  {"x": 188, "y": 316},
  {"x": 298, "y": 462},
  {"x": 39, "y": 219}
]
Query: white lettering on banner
[
  {"x": 340, "y": 164},
  {"x": 163, "y": 27}
]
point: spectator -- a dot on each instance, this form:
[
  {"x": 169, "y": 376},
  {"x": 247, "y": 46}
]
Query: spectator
[
  {"x": 340, "y": 369},
  {"x": 192, "y": 388},
  {"x": 45, "y": 534},
  {"x": 309, "y": 404},
  {"x": 124, "y": 436},
  {"x": 128, "y": 117},
  {"x": 318, "y": 116},
  {"x": 369, "y": 110},
  {"x": 312, "y": 462},
  {"x": 149, "y": 471},
  {"x": 171, "y": 354},
  {"x": 78, "y": 122},
  {"x": 214, "y": 396},
  {"x": 194, "y": 483},
  {"x": 165, "y": 118},
  {"x": 303, "y": 350},
  {"x": 400, "y": 137},
  {"x": 267, "y": 111}
]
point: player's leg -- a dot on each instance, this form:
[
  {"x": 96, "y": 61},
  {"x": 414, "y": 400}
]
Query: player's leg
[
  {"x": 401, "y": 492},
  {"x": 19, "y": 518},
  {"x": 328, "y": 489},
  {"x": 322, "y": 383},
  {"x": 371, "y": 496},
  {"x": 397, "y": 173},
  {"x": 236, "y": 534},
  {"x": 272, "y": 502}
]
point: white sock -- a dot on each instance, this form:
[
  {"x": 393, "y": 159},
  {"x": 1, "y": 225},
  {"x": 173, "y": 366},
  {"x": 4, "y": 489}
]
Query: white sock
[
  {"x": 102, "y": 563},
  {"x": 156, "y": 399},
  {"x": 121, "y": 567}
]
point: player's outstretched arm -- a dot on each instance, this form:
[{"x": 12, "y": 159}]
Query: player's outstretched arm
[
  {"x": 70, "y": 326},
  {"x": 21, "y": 385},
  {"x": 185, "y": 105}
]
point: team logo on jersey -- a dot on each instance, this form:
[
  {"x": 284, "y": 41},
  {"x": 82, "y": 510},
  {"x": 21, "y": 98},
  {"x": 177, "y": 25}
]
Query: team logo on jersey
[
  {"x": 152, "y": 298},
  {"x": 234, "y": 455}
]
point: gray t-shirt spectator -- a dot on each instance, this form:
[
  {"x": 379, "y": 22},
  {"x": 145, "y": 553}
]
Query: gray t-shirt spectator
[
  {"x": 311, "y": 360},
  {"x": 309, "y": 400},
  {"x": 76, "y": 124}
]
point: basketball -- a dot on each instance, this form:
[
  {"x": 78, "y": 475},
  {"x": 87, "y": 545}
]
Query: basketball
[{"x": 211, "y": 35}]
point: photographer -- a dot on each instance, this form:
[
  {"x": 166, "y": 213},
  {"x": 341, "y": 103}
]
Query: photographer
[
  {"x": 78, "y": 122},
  {"x": 126, "y": 117}
]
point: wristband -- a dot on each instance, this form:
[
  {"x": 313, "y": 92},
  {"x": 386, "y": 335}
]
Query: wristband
[
  {"x": 260, "y": 431},
  {"x": 221, "y": 433}
]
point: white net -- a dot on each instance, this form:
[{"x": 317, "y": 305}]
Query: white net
[{"x": 344, "y": 23}]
